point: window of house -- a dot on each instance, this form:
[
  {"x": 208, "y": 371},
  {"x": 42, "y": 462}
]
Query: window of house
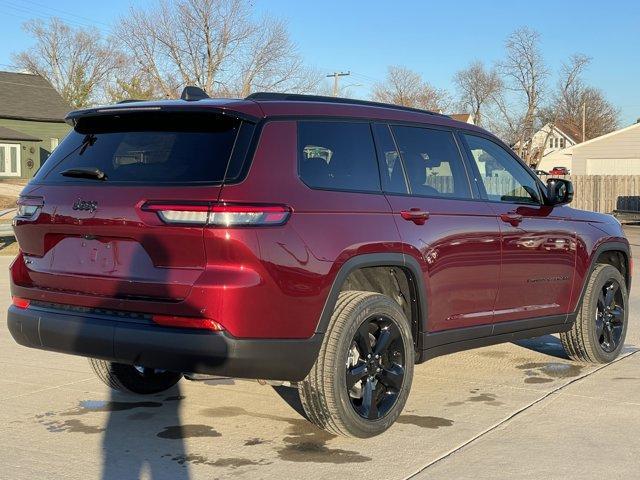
[
  {"x": 503, "y": 177},
  {"x": 10, "y": 160},
  {"x": 432, "y": 162},
  {"x": 338, "y": 156},
  {"x": 562, "y": 143},
  {"x": 551, "y": 143}
]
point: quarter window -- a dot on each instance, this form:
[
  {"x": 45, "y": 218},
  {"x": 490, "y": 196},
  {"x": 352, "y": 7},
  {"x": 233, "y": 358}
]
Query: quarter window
[
  {"x": 432, "y": 162},
  {"x": 504, "y": 179},
  {"x": 338, "y": 156}
]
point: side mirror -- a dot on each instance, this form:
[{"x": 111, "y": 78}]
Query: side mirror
[{"x": 559, "y": 191}]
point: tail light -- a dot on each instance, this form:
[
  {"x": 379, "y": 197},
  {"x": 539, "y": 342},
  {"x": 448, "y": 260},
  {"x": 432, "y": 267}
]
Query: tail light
[
  {"x": 20, "y": 302},
  {"x": 178, "y": 213},
  {"x": 29, "y": 207},
  {"x": 187, "y": 322},
  {"x": 219, "y": 215}
]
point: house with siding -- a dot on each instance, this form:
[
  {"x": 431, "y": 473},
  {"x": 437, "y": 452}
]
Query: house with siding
[
  {"x": 31, "y": 123},
  {"x": 616, "y": 153},
  {"x": 552, "y": 137}
]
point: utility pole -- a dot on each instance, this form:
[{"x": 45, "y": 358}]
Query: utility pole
[
  {"x": 584, "y": 121},
  {"x": 335, "y": 76}
]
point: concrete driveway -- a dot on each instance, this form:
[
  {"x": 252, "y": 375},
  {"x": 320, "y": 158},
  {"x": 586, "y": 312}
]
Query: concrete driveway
[{"x": 515, "y": 410}]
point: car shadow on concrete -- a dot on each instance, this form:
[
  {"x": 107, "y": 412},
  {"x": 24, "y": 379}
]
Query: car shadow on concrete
[
  {"x": 144, "y": 437},
  {"x": 546, "y": 344}
]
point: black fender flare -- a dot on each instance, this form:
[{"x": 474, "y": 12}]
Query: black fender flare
[
  {"x": 602, "y": 248},
  {"x": 402, "y": 260}
]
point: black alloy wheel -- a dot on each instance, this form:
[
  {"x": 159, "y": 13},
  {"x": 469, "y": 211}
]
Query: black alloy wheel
[
  {"x": 610, "y": 316},
  {"x": 375, "y": 367}
]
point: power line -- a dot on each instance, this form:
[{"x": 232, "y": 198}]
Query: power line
[
  {"x": 27, "y": 12},
  {"x": 86, "y": 19}
]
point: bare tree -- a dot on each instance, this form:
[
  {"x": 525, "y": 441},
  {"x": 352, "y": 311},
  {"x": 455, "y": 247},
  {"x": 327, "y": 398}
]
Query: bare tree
[
  {"x": 600, "y": 116},
  {"x": 405, "y": 87},
  {"x": 76, "y": 61},
  {"x": 477, "y": 87},
  {"x": 213, "y": 44},
  {"x": 128, "y": 85},
  {"x": 569, "y": 82},
  {"x": 525, "y": 73}
]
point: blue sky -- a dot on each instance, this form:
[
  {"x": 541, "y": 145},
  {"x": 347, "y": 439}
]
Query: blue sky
[{"x": 435, "y": 38}]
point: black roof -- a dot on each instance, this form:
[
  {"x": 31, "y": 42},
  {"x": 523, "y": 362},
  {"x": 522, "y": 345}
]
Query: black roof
[{"x": 30, "y": 97}]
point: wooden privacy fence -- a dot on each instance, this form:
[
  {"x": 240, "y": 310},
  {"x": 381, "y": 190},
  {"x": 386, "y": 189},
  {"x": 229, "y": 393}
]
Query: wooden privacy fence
[
  {"x": 605, "y": 193},
  {"x": 598, "y": 193}
]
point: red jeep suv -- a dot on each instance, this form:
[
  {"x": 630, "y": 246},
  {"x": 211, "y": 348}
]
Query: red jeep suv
[{"x": 332, "y": 243}]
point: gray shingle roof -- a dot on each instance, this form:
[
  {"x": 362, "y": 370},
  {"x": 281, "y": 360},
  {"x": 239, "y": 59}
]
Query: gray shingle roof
[
  {"x": 30, "y": 97},
  {"x": 9, "y": 134}
]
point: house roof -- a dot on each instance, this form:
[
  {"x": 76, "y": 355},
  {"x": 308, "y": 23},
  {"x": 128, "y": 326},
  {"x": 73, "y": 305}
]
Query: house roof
[
  {"x": 9, "y": 134},
  {"x": 461, "y": 117},
  {"x": 607, "y": 135},
  {"x": 30, "y": 97},
  {"x": 570, "y": 131}
]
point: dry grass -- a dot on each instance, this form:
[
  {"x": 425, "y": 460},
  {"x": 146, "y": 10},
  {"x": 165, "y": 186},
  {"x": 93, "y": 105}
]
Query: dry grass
[
  {"x": 8, "y": 248},
  {"x": 8, "y": 245},
  {"x": 7, "y": 201},
  {"x": 14, "y": 181}
]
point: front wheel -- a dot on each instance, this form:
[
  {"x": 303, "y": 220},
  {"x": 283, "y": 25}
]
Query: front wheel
[
  {"x": 361, "y": 379},
  {"x": 598, "y": 333},
  {"x": 133, "y": 379}
]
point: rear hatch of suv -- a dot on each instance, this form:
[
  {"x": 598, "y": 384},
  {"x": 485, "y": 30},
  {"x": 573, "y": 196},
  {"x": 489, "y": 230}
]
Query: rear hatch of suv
[{"x": 117, "y": 212}]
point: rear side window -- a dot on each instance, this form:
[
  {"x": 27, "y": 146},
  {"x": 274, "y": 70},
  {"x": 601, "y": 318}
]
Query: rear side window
[
  {"x": 337, "y": 156},
  {"x": 391, "y": 170},
  {"x": 432, "y": 162},
  {"x": 151, "y": 148}
]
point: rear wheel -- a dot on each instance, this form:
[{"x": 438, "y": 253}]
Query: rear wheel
[
  {"x": 361, "y": 379},
  {"x": 599, "y": 331},
  {"x": 133, "y": 379}
]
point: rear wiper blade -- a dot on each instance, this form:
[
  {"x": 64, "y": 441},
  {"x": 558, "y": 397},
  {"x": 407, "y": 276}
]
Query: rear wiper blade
[{"x": 86, "y": 172}]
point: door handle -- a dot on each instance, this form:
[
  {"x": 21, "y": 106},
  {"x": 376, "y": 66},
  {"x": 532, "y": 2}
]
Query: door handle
[
  {"x": 512, "y": 218},
  {"x": 415, "y": 215}
]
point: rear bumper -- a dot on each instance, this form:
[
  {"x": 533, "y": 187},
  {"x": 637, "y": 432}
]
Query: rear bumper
[{"x": 140, "y": 342}]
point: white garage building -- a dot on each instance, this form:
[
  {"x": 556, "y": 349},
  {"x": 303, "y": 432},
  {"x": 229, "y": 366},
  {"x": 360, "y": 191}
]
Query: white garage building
[{"x": 616, "y": 153}]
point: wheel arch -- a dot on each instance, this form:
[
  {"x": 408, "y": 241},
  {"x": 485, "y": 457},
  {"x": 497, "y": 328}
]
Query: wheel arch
[
  {"x": 617, "y": 254},
  {"x": 380, "y": 272}
]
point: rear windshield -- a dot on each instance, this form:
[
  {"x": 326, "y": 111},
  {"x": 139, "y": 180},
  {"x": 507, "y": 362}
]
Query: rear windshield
[{"x": 151, "y": 148}]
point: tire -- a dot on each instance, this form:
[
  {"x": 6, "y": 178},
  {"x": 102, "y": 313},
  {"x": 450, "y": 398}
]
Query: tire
[
  {"x": 128, "y": 378},
  {"x": 327, "y": 400},
  {"x": 588, "y": 339}
]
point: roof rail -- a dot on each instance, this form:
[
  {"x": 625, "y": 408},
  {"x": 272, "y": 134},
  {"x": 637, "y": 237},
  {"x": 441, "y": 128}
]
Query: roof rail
[{"x": 273, "y": 96}]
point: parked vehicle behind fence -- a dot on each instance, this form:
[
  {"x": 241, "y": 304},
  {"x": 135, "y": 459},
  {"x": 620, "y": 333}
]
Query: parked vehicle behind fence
[{"x": 331, "y": 243}]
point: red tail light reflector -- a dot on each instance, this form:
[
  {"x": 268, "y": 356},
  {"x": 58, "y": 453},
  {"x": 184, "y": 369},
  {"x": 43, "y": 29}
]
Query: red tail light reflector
[
  {"x": 20, "y": 302},
  {"x": 187, "y": 322}
]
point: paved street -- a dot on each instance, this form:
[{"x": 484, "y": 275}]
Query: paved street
[{"x": 511, "y": 411}]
